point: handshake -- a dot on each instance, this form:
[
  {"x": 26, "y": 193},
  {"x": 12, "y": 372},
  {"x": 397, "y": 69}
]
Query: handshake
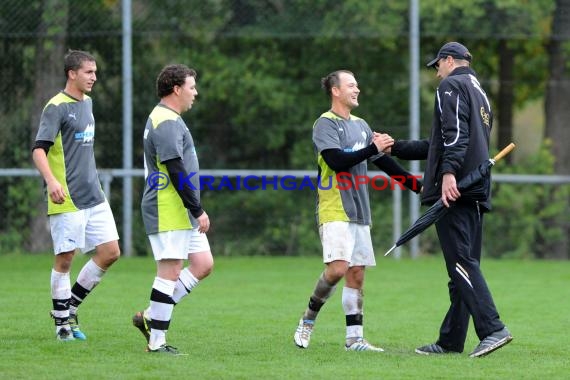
[{"x": 383, "y": 142}]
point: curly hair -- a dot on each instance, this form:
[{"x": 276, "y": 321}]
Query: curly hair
[{"x": 170, "y": 76}]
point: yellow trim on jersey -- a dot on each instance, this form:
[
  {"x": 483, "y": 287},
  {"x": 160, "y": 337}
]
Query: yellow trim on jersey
[
  {"x": 332, "y": 115},
  {"x": 172, "y": 215},
  {"x": 160, "y": 114},
  {"x": 330, "y": 207},
  {"x": 330, "y": 203},
  {"x": 63, "y": 98},
  {"x": 56, "y": 161}
]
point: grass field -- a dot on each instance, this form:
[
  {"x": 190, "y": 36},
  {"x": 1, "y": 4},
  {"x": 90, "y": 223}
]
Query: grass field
[{"x": 239, "y": 323}]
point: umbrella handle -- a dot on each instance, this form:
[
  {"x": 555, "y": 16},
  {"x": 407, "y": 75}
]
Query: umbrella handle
[
  {"x": 508, "y": 149},
  {"x": 390, "y": 250}
]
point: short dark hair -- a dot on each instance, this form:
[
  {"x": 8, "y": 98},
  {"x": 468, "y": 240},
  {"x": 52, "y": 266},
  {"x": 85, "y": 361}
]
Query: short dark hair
[
  {"x": 74, "y": 58},
  {"x": 332, "y": 80},
  {"x": 170, "y": 76}
]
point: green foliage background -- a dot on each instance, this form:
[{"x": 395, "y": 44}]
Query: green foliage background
[{"x": 259, "y": 64}]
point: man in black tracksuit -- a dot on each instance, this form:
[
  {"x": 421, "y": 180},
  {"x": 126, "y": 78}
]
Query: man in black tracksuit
[{"x": 459, "y": 142}]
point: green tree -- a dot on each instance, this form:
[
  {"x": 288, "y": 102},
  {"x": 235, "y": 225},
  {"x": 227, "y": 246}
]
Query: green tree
[
  {"x": 49, "y": 51},
  {"x": 259, "y": 66},
  {"x": 556, "y": 103},
  {"x": 514, "y": 55}
]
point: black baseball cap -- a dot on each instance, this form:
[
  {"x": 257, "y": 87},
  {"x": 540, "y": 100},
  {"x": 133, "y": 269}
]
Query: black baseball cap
[{"x": 454, "y": 49}]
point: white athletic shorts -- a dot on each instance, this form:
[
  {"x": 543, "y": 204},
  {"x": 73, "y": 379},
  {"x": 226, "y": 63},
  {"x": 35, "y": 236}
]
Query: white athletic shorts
[
  {"x": 83, "y": 229},
  {"x": 347, "y": 241},
  {"x": 178, "y": 244}
]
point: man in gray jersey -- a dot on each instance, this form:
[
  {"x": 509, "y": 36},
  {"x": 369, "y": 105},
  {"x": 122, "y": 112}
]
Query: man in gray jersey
[
  {"x": 79, "y": 214},
  {"x": 344, "y": 143},
  {"x": 174, "y": 220}
]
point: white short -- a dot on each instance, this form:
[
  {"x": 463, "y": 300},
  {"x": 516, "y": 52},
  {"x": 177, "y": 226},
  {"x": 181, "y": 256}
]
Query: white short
[
  {"x": 178, "y": 244},
  {"x": 347, "y": 241},
  {"x": 83, "y": 229}
]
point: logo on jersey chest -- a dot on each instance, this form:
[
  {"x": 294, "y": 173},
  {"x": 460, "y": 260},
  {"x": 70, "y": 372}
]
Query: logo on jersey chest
[
  {"x": 357, "y": 146},
  {"x": 87, "y": 135}
]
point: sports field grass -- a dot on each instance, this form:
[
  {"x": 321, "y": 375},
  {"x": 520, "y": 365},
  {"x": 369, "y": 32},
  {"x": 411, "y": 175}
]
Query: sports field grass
[{"x": 239, "y": 324}]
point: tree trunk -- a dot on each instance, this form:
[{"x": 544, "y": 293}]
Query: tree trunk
[
  {"x": 506, "y": 99},
  {"x": 556, "y": 103},
  {"x": 50, "y": 49}
]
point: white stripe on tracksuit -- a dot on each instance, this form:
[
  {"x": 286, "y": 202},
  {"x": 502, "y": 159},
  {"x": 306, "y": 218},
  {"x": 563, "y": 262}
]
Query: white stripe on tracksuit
[{"x": 463, "y": 273}]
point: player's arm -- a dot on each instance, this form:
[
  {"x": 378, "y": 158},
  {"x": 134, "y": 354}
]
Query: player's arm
[
  {"x": 176, "y": 171},
  {"x": 455, "y": 113},
  {"x": 340, "y": 161},
  {"x": 398, "y": 173},
  {"x": 327, "y": 142},
  {"x": 410, "y": 149},
  {"x": 55, "y": 190}
]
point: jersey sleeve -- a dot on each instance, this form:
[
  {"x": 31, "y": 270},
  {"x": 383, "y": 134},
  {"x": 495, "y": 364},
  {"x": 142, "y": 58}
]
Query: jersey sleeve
[
  {"x": 169, "y": 141},
  {"x": 326, "y": 134},
  {"x": 50, "y": 123}
]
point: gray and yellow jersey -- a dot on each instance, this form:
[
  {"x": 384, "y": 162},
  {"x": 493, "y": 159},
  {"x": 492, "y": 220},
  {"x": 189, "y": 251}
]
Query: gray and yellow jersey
[
  {"x": 167, "y": 137},
  {"x": 70, "y": 125},
  {"x": 345, "y": 201}
]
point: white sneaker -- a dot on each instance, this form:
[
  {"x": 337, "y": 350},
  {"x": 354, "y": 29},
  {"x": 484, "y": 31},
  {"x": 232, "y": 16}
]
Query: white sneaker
[
  {"x": 303, "y": 333},
  {"x": 362, "y": 344},
  {"x": 64, "y": 334}
]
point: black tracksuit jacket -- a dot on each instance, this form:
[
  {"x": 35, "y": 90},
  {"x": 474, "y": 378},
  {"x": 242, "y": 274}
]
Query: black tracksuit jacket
[{"x": 460, "y": 134}]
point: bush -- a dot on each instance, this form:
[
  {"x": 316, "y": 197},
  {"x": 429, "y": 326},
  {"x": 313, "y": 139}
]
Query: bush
[{"x": 528, "y": 220}]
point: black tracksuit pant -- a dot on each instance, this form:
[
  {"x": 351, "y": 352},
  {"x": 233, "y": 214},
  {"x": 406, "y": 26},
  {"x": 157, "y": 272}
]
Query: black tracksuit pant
[{"x": 460, "y": 236}]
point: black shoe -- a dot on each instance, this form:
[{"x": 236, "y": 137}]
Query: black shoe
[
  {"x": 166, "y": 349},
  {"x": 143, "y": 324},
  {"x": 491, "y": 343},
  {"x": 433, "y": 349}
]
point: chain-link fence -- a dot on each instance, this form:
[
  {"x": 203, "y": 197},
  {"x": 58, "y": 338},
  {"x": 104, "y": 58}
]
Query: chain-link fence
[{"x": 259, "y": 63}]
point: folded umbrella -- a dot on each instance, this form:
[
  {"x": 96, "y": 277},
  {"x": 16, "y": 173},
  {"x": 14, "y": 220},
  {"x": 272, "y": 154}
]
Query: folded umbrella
[{"x": 475, "y": 184}]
